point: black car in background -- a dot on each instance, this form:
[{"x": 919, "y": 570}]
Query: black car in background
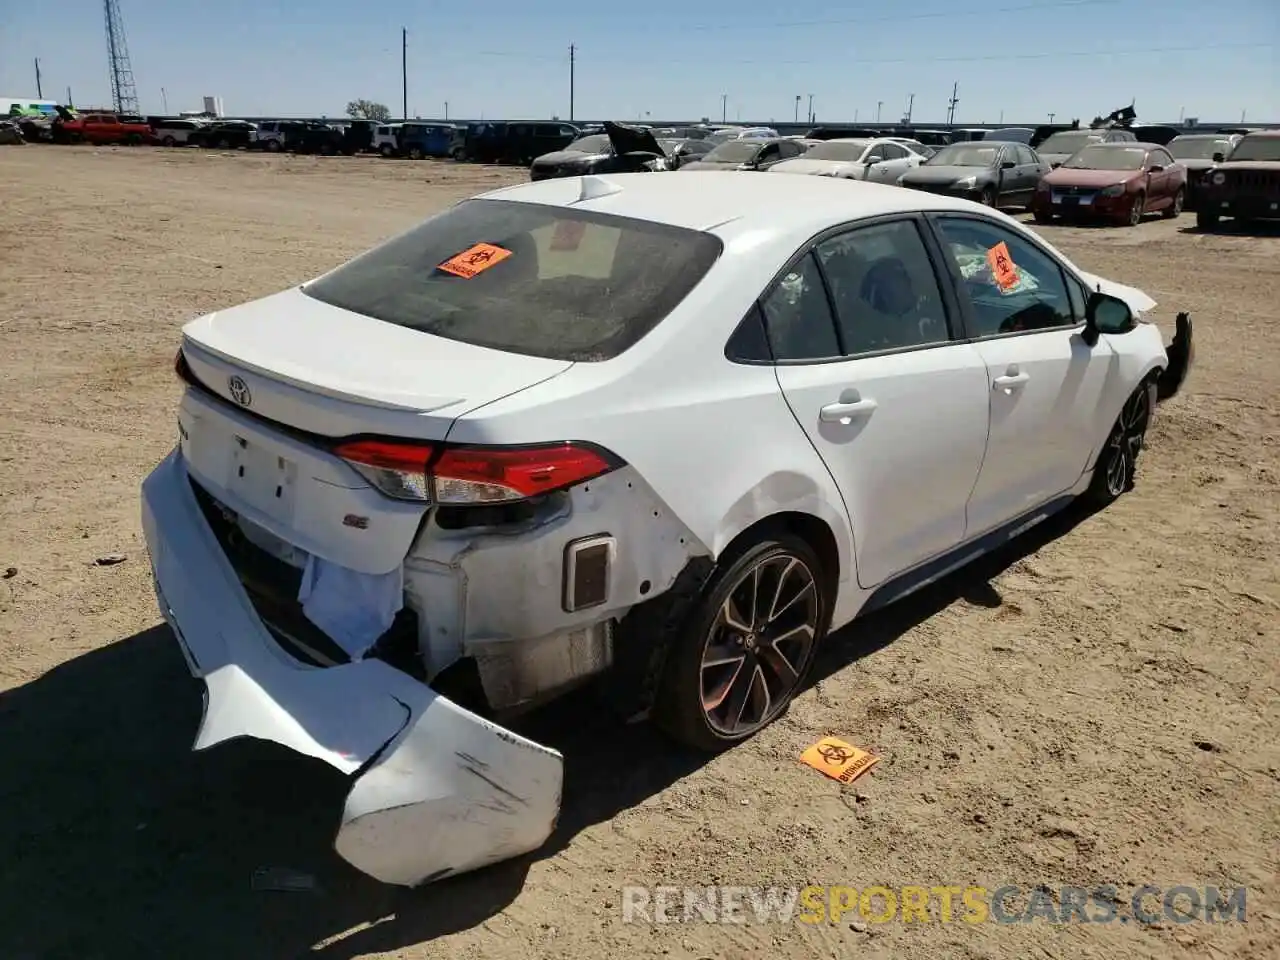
[
  {"x": 312, "y": 136},
  {"x": 223, "y": 135},
  {"x": 620, "y": 149},
  {"x": 748, "y": 154},
  {"x": 988, "y": 171},
  {"x": 518, "y": 142}
]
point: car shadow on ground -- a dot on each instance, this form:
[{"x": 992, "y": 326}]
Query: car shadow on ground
[
  {"x": 1235, "y": 228},
  {"x": 117, "y": 841}
]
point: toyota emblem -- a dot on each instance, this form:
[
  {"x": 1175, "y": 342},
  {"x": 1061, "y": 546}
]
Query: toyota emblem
[{"x": 239, "y": 391}]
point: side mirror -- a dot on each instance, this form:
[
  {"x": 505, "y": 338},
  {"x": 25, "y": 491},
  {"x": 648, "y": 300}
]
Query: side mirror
[
  {"x": 874, "y": 159},
  {"x": 1008, "y": 165},
  {"x": 1219, "y": 157},
  {"x": 1155, "y": 168},
  {"x": 1105, "y": 314}
]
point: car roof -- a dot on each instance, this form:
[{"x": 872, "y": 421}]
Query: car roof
[
  {"x": 1262, "y": 134},
  {"x": 749, "y": 200}
]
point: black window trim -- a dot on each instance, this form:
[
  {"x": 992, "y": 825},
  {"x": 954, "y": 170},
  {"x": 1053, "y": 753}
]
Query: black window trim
[
  {"x": 957, "y": 328},
  {"x": 957, "y": 281}
]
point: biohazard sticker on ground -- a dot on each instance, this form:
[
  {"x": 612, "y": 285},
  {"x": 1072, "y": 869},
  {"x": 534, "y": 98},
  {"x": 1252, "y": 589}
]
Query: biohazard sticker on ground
[
  {"x": 838, "y": 760},
  {"x": 475, "y": 260}
]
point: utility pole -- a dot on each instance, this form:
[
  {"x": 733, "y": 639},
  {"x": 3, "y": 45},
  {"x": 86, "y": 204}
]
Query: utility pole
[
  {"x": 164, "y": 99},
  {"x": 446, "y": 109},
  {"x": 404, "y": 73},
  {"x": 39, "y": 89},
  {"x": 951, "y": 104},
  {"x": 797, "y": 116},
  {"x": 1051, "y": 116},
  {"x": 879, "y": 104},
  {"x": 811, "y": 108},
  {"x": 911, "y": 103},
  {"x": 573, "y": 52},
  {"x": 724, "y": 108},
  {"x": 69, "y": 101}
]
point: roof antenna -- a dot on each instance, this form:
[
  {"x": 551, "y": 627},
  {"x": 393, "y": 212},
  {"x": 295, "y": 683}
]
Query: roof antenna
[{"x": 595, "y": 187}]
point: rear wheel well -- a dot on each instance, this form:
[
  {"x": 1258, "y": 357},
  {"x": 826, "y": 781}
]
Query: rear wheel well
[{"x": 812, "y": 530}]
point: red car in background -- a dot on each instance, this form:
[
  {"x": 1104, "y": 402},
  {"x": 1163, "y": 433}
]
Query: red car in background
[
  {"x": 1113, "y": 181},
  {"x": 99, "y": 127}
]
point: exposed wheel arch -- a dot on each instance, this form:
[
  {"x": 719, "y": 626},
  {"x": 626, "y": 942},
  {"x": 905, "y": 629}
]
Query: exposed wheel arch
[{"x": 813, "y": 530}]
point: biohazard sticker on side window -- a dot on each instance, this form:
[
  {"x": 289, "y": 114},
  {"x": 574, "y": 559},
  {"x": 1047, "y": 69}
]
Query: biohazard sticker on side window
[{"x": 474, "y": 260}]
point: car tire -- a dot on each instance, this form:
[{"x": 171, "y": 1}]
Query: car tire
[
  {"x": 1137, "y": 210},
  {"x": 726, "y": 678},
  {"x": 1115, "y": 471},
  {"x": 1042, "y": 216},
  {"x": 1206, "y": 219},
  {"x": 415, "y": 153},
  {"x": 989, "y": 198},
  {"x": 169, "y": 142},
  {"x": 272, "y": 146},
  {"x": 1174, "y": 209},
  {"x": 386, "y": 150},
  {"x": 224, "y": 144}
]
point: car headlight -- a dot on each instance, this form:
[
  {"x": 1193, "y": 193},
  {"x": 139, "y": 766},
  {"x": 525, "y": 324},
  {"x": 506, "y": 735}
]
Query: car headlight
[
  {"x": 1112, "y": 191},
  {"x": 1219, "y": 178},
  {"x": 967, "y": 183}
]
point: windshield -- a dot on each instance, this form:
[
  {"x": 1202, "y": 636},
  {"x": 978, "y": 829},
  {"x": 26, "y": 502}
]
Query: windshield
[
  {"x": 1108, "y": 156},
  {"x": 596, "y": 143},
  {"x": 836, "y": 150},
  {"x": 734, "y": 151},
  {"x": 964, "y": 155},
  {"x": 1197, "y": 148},
  {"x": 1068, "y": 141},
  {"x": 1257, "y": 148},
  {"x": 527, "y": 278}
]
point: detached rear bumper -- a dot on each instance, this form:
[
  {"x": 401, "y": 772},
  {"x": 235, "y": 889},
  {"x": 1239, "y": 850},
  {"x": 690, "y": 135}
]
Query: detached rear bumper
[{"x": 439, "y": 790}]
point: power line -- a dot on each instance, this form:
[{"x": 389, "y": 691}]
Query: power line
[{"x": 899, "y": 18}]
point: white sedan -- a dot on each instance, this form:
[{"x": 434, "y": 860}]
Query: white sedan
[
  {"x": 880, "y": 160},
  {"x": 664, "y": 433}
]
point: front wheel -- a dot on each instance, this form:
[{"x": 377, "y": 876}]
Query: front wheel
[
  {"x": 272, "y": 146},
  {"x": 386, "y": 150},
  {"x": 1175, "y": 208},
  {"x": 1042, "y": 216},
  {"x": 989, "y": 196},
  {"x": 1206, "y": 219},
  {"x": 1137, "y": 210},
  {"x": 745, "y": 649},
  {"x": 1116, "y": 469}
]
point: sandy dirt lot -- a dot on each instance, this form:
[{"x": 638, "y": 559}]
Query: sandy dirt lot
[{"x": 1099, "y": 704}]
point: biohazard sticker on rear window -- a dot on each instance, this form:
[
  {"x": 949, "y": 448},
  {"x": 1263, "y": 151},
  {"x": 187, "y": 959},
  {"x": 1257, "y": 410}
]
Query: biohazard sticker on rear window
[
  {"x": 474, "y": 260},
  {"x": 1003, "y": 271}
]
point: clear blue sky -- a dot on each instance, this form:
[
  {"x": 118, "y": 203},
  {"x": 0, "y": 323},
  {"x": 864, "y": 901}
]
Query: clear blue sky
[{"x": 667, "y": 58}]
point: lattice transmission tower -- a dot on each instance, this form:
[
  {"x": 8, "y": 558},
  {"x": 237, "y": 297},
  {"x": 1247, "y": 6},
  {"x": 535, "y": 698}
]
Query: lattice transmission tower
[{"x": 124, "y": 95}]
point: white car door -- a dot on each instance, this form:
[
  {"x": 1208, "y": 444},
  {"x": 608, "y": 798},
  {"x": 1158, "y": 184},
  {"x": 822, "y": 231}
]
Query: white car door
[
  {"x": 879, "y": 164},
  {"x": 894, "y": 404},
  {"x": 1046, "y": 384}
]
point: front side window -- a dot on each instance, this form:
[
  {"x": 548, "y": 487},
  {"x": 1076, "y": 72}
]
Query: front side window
[
  {"x": 1025, "y": 292},
  {"x": 527, "y": 278},
  {"x": 798, "y": 317},
  {"x": 884, "y": 288}
]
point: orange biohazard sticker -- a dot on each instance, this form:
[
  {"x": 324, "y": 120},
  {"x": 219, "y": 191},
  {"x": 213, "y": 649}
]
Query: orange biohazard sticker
[
  {"x": 838, "y": 760},
  {"x": 568, "y": 234},
  {"x": 474, "y": 260},
  {"x": 1002, "y": 267}
]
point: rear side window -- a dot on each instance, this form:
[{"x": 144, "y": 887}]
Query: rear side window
[
  {"x": 798, "y": 315},
  {"x": 538, "y": 280}
]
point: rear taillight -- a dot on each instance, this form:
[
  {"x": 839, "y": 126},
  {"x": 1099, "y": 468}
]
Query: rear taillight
[
  {"x": 180, "y": 368},
  {"x": 473, "y": 475}
]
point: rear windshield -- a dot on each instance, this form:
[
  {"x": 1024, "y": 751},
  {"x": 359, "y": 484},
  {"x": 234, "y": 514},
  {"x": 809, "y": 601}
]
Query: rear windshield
[
  {"x": 544, "y": 281},
  {"x": 1257, "y": 148}
]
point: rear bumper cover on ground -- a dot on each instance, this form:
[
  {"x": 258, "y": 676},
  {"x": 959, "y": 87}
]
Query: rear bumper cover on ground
[{"x": 439, "y": 789}]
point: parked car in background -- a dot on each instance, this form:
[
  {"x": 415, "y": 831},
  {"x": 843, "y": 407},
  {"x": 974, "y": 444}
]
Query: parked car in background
[
  {"x": 934, "y": 138},
  {"x": 1021, "y": 135},
  {"x": 523, "y": 141},
  {"x": 843, "y": 132},
  {"x": 1061, "y": 145},
  {"x": 993, "y": 173},
  {"x": 622, "y": 148},
  {"x": 101, "y": 128},
  {"x": 315, "y": 136},
  {"x": 968, "y": 134},
  {"x": 915, "y": 146},
  {"x": 271, "y": 135},
  {"x": 174, "y": 133},
  {"x": 1196, "y": 151},
  {"x": 224, "y": 135},
  {"x": 417, "y": 140},
  {"x": 386, "y": 139},
  {"x": 662, "y": 434},
  {"x": 724, "y": 135},
  {"x": 483, "y": 142},
  {"x": 747, "y": 153},
  {"x": 686, "y": 150},
  {"x": 879, "y": 160},
  {"x": 1113, "y": 181},
  {"x": 1244, "y": 184},
  {"x": 1159, "y": 133}
]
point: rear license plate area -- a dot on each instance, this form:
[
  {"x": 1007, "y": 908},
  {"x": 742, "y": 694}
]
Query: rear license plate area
[{"x": 262, "y": 478}]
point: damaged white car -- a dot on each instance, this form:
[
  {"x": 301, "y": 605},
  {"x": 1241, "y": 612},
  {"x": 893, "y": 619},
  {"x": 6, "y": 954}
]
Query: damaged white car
[{"x": 662, "y": 433}]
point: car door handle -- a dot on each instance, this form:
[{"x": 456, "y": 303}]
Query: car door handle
[
  {"x": 844, "y": 411},
  {"x": 1010, "y": 381}
]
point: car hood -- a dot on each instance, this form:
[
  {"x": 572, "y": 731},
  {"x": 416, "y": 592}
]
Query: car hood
[
  {"x": 1052, "y": 158},
  {"x": 1138, "y": 301},
  {"x": 947, "y": 174},
  {"x": 1248, "y": 165},
  {"x": 562, "y": 157},
  {"x": 628, "y": 139},
  {"x": 1196, "y": 165},
  {"x": 830, "y": 168},
  {"x": 1063, "y": 177}
]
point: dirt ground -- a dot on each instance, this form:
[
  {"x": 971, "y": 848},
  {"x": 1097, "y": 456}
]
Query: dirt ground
[{"x": 1098, "y": 704}]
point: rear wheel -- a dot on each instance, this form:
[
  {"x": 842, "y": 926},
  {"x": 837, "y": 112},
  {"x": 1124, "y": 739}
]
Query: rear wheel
[
  {"x": 1116, "y": 469},
  {"x": 1206, "y": 219},
  {"x": 989, "y": 196},
  {"x": 272, "y": 146},
  {"x": 1042, "y": 216},
  {"x": 1175, "y": 208},
  {"x": 224, "y": 144},
  {"x": 746, "y": 647},
  {"x": 386, "y": 150},
  {"x": 169, "y": 142},
  {"x": 415, "y": 153}
]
